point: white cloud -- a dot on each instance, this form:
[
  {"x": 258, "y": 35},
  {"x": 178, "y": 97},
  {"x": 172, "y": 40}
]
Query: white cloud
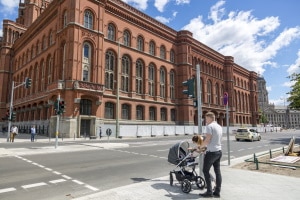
[
  {"x": 269, "y": 88},
  {"x": 241, "y": 35},
  {"x": 139, "y": 4},
  {"x": 179, "y": 2},
  {"x": 289, "y": 84},
  {"x": 295, "y": 68},
  {"x": 162, "y": 19},
  {"x": 9, "y": 4},
  {"x": 160, "y": 4}
]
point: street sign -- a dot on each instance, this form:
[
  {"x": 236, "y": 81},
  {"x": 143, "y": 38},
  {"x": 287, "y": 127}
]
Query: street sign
[
  {"x": 108, "y": 132},
  {"x": 225, "y": 98}
]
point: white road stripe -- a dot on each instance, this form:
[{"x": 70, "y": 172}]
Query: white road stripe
[
  {"x": 33, "y": 185},
  {"x": 91, "y": 188},
  {"x": 66, "y": 177},
  {"x": 57, "y": 181},
  {"x": 48, "y": 169},
  {"x": 78, "y": 182},
  {"x": 7, "y": 190},
  {"x": 241, "y": 149},
  {"x": 164, "y": 150},
  {"x": 58, "y": 173}
]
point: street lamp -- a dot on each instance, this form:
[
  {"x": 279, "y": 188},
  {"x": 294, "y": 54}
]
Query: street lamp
[{"x": 118, "y": 90}]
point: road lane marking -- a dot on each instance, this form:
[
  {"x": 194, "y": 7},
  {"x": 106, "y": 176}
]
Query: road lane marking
[
  {"x": 241, "y": 149},
  {"x": 66, "y": 177},
  {"x": 78, "y": 182},
  {"x": 57, "y": 181},
  {"x": 164, "y": 150},
  {"x": 48, "y": 169},
  {"x": 58, "y": 173},
  {"x": 7, "y": 190},
  {"x": 91, "y": 188},
  {"x": 34, "y": 185}
]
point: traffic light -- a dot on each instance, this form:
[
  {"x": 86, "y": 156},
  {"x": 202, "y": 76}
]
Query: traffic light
[
  {"x": 56, "y": 107},
  {"x": 27, "y": 82},
  {"x": 62, "y": 106},
  {"x": 190, "y": 84},
  {"x": 13, "y": 116}
]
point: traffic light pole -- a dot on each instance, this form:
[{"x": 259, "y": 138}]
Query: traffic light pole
[
  {"x": 57, "y": 123},
  {"x": 10, "y": 109},
  {"x": 199, "y": 103}
]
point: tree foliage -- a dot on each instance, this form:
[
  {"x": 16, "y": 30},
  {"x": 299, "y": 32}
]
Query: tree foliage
[{"x": 294, "y": 98}]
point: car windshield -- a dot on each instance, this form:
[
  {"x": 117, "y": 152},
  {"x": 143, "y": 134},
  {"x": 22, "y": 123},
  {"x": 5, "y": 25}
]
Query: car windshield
[{"x": 242, "y": 130}]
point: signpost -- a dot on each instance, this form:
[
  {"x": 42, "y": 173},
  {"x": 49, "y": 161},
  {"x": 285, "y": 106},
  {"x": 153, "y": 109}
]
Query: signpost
[{"x": 225, "y": 101}]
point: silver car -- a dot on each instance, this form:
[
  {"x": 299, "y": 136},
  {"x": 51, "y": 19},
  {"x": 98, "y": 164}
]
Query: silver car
[{"x": 247, "y": 134}]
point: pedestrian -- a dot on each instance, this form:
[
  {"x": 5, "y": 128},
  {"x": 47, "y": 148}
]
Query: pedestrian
[
  {"x": 100, "y": 133},
  {"x": 32, "y": 132},
  {"x": 212, "y": 143},
  {"x": 13, "y": 133}
]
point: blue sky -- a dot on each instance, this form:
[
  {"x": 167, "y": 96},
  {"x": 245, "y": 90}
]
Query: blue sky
[{"x": 262, "y": 35}]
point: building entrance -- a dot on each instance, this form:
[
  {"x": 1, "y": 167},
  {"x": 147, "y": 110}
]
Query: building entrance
[{"x": 85, "y": 127}]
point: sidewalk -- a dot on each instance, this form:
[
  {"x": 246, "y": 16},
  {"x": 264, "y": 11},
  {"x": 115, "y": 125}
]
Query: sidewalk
[{"x": 237, "y": 183}]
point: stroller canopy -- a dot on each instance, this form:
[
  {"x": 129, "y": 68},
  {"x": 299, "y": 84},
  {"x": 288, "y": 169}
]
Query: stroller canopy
[{"x": 178, "y": 152}]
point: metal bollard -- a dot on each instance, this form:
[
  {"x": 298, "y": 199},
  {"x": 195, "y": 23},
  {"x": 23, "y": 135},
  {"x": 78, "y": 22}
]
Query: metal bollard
[{"x": 256, "y": 163}]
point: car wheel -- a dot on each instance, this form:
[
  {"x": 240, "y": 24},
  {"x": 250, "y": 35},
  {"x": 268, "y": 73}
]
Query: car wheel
[
  {"x": 237, "y": 139},
  {"x": 259, "y": 138},
  {"x": 251, "y": 139}
]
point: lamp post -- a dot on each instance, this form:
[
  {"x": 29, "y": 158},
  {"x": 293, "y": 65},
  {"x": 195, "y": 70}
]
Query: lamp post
[{"x": 118, "y": 91}]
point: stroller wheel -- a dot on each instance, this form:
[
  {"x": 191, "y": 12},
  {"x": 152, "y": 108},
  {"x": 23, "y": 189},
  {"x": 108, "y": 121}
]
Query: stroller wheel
[
  {"x": 186, "y": 186},
  {"x": 171, "y": 179},
  {"x": 200, "y": 182}
]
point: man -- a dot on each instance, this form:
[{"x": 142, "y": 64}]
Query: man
[
  {"x": 213, "y": 155},
  {"x": 13, "y": 133},
  {"x": 32, "y": 133}
]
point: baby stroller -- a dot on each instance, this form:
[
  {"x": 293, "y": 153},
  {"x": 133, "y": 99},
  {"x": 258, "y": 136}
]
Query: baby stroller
[{"x": 185, "y": 173}]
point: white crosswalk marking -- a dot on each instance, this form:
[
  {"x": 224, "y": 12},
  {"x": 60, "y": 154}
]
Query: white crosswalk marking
[
  {"x": 57, "y": 181},
  {"x": 7, "y": 190},
  {"x": 33, "y": 185}
]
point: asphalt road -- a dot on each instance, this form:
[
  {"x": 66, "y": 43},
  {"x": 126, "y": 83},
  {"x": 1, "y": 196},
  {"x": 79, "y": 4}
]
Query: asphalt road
[{"x": 73, "y": 174}]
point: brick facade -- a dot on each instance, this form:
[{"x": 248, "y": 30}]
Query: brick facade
[{"x": 73, "y": 49}]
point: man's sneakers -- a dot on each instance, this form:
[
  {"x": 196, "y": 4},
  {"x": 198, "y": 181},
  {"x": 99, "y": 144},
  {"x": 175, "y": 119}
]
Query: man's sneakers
[
  {"x": 217, "y": 195},
  {"x": 209, "y": 195}
]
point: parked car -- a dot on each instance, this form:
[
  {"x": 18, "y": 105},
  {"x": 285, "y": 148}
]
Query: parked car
[{"x": 247, "y": 134}]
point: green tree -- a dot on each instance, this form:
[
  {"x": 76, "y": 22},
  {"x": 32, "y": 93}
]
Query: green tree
[{"x": 294, "y": 98}]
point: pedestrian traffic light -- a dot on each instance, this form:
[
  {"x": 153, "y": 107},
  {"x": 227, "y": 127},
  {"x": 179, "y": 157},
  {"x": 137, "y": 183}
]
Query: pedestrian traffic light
[
  {"x": 27, "y": 82},
  {"x": 190, "y": 84},
  {"x": 13, "y": 116}
]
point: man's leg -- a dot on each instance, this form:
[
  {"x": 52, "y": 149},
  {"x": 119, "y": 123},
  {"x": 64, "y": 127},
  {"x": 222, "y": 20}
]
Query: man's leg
[
  {"x": 217, "y": 170},
  {"x": 208, "y": 162}
]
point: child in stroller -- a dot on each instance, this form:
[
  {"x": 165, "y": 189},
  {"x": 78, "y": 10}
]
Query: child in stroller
[{"x": 182, "y": 156}]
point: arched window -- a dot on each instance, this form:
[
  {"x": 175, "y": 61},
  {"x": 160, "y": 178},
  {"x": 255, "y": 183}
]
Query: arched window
[
  {"x": 152, "y": 48},
  {"x": 65, "y": 19},
  {"x": 209, "y": 92},
  {"x": 111, "y": 32},
  {"x": 86, "y": 61},
  {"x": 172, "y": 85},
  {"x": 162, "y": 82},
  {"x": 139, "y": 112},
  {"x": 109, "y": 70},
  {"x": 49, "y": 71},
  {"x": 127, "y": 38},
  {"x": 125, "y": 76},
  {"x": 125, "y": 111},
  {"x": 139, "y": 77},
  {"x": 140, "y": 43},
  {"x": 173, "y": 115},
  {"x": 152, "y": 113},
  {"x": 88, "y": 19},
  {"x": 50, "y": 40},
  {"x": 109, "y": 110},
  {"x": 163, "y": 114},
  {"x": 43, "y": 68},
  {"x": 162, "y": 52},
  {"x": 217, "y": 95},
  {"x": 151, "y": 80},
  {"x": 172, "y": 56},
  {"x": 85, "y": 107}
]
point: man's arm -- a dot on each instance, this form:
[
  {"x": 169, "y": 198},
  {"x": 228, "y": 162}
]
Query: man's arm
[{"x": 206, "y": 141}]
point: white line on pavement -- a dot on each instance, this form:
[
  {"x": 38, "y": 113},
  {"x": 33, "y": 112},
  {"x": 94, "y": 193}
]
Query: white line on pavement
[
  {"x": 57, "y": 181},
  {"x": 58, "y": 173},
  {"x": 91, "y": 188},
  {"x": 7, "y": 190},
  {"x": 66, "y": 177},
  {"x": 33, "y": 185},
  {"x": 78, "y": 182}
]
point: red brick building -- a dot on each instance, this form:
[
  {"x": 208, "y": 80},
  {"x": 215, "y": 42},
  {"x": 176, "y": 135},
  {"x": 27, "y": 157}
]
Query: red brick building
[{"x": 75, "y": 49}]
